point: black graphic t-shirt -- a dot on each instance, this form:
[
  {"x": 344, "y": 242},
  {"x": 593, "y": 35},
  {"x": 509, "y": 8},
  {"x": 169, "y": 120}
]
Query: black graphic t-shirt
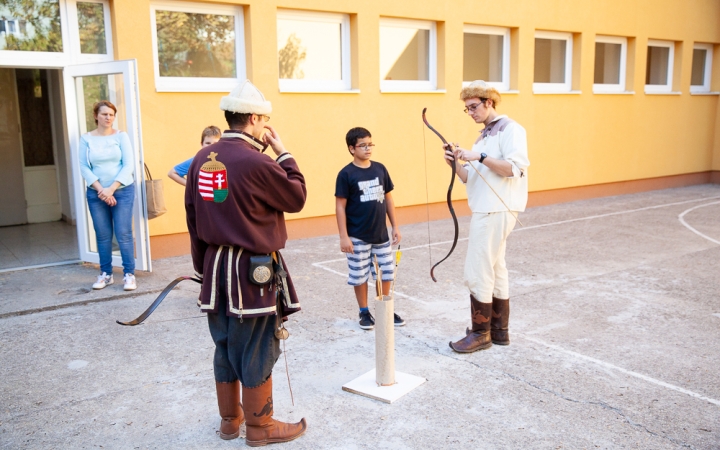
[{"x": 365, "y": 191}]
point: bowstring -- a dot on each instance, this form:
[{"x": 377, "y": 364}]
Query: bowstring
[
  {"x": 495, "y": 192},
  {"x": 287, "y": 371},
  {"x": 427, "y": 196}
]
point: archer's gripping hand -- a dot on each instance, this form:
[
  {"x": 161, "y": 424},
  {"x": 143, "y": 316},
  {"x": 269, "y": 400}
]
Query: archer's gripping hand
[
  {"x": 449, "y": 155},
  {"x": 452, "y": 153}
]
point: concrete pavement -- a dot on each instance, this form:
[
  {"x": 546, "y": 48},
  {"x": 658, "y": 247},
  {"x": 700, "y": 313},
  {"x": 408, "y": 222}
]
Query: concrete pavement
[{"x": 615, "y": 329}]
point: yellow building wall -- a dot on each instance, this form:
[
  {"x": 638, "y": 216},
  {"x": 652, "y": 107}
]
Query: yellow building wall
[
  {"x": 716, "y": 144},
  {"x": 574, "y": 139}
]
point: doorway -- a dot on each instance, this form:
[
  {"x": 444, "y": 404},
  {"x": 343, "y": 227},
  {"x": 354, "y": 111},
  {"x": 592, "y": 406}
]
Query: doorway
[
  {"x": 37, "y": 223},
  {"x": 84, "y": 85}
]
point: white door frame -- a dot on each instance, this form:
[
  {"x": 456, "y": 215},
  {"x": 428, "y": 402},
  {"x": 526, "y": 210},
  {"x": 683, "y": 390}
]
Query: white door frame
[{"x": 132, "y": 113}]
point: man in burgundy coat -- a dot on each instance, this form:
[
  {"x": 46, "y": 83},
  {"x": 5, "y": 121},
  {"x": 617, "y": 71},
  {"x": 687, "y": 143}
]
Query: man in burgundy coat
[{"x": 235, "y": 199}]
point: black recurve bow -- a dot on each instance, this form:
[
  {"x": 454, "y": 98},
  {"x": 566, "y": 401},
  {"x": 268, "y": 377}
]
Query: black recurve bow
[
  {"x": 449, "y": 198},
  {"x": 158, "y": 300}
]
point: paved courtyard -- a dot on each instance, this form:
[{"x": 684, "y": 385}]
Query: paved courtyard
[{"x": 615, "y": 329}]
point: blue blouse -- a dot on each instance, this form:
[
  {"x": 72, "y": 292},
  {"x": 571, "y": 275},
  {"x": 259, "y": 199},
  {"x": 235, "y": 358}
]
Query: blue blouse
[{"x": 107, "y": 159}]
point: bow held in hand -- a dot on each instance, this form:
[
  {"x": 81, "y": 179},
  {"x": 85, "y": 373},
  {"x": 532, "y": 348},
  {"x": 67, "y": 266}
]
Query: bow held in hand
[{"x": 449, "y": 197}]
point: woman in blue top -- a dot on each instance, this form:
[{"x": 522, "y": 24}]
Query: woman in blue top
[{"x": 107, "y": 164}]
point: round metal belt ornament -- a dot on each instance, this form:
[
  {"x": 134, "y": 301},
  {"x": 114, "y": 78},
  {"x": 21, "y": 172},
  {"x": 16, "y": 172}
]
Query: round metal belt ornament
[
  {"x": 282, "y": 334},
  {"x": 261, "y": 274}
]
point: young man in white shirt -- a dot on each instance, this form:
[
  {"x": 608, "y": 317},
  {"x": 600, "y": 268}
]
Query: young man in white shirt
[{"x": 495, "y": 174}]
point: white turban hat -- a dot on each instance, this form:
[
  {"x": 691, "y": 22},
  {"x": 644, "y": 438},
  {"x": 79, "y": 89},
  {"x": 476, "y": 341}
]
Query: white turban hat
[{"x": 246, "y": 99}]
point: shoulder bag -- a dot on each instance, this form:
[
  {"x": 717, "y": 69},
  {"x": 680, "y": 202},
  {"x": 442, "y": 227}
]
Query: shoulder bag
[{"x": 154, "y": 195}]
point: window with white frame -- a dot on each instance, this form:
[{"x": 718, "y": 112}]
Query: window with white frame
[
  {"x": 659, "y": 67},
  {"x": 90, "y": 30},
  {"x": 486, "y": 55},
  {"x": 610, "y": 64},
  {"x": 701, "y": 68},
  {"x": 197, "y": 47},
  {"x": 36, "y": 28},
  {"x": 408, "y": 55},
  {"x": 54, "y": 33},
  {"x": 313, "y": 51},
  {"x": 553, "y": 62}
]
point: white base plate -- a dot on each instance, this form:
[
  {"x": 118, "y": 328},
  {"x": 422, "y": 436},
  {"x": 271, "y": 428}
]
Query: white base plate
[{"x": 366, "y": 385}]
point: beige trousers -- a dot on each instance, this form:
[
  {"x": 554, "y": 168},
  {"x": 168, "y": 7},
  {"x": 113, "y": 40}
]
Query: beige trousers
[{"x": 486, "y": 275}]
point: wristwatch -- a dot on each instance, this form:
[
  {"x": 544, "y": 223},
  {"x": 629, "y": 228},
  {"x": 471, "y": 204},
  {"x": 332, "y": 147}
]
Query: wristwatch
[{"x": 482, "y": 157}]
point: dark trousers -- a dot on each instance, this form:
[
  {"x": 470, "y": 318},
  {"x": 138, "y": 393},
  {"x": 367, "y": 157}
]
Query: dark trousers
[{"x": 245, "y": 349}]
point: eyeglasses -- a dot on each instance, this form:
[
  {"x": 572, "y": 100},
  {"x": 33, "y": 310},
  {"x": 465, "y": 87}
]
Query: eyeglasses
[
  {"x": 365, "y": 146},
  {"x": 471, "y": 108},
  {"x": 474, "y": 106},
  {"x": 263, "y": 116}
]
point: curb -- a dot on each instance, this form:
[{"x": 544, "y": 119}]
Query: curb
[{"x": 26, "y": 312}]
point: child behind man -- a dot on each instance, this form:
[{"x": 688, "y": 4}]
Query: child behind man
[
  {"x": 362, "y": 200},
  {"x": 210, "y": 135}
]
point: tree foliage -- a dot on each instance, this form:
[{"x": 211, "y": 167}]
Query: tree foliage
[
  {"x": 196, "y": 45},
  {"x": 43, "y": 19},
  {"x": 91, "y": 22},
  {"x": 95, "y": 88},
  {"x": 291, "y": 57}
]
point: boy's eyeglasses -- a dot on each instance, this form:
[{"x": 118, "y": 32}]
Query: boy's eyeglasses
[{"x": 365, "y": 146}]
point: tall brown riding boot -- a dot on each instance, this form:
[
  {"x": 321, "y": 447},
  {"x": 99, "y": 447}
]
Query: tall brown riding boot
[
  {"x": 228, "y": 395},
  {"x": 499, "y": 322},
  {"x": 261, "y": 428},
  {"x": 479, "y": 336}
]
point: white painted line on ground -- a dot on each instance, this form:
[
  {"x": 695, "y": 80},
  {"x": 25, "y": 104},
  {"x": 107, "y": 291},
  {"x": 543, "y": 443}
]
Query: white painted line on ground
[
  {"x": 598, "y": 216},
  {"x": 583, "y": 357},
  {"x": 620, "y": 369},
  {"x": 617, "y": 213},
  {"x": 560, "y": 349},
  {"x": 682, "y": 221},
  {"x": 329, "y": 269}
]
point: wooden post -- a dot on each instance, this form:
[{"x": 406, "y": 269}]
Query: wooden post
[
  {"x": 384, "y": 341},
  {"x": 384, "y": 383}
]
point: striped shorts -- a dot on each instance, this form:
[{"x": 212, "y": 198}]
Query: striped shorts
[{"x": 360, "y": 262}]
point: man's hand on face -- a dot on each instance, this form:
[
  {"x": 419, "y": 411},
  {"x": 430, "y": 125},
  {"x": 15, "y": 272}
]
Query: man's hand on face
[{"x": 272, "y": 138}]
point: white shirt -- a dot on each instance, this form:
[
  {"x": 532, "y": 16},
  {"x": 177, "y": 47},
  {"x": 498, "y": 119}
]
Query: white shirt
[{"x": 502, "y": 139}]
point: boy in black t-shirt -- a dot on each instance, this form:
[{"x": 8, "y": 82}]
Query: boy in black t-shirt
[{"x": 362, "y": 200}]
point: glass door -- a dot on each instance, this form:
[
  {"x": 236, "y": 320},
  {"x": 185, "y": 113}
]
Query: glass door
[{"x": 86, "y": 84}]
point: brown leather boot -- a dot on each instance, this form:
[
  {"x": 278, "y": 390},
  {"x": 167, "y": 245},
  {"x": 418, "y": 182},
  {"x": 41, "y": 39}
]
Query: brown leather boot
[
  {"x": 499, "y": 322},
  {"x": 479, "y": 336},
  {"x": 228, "y": 395},
  {"x": 261, "y": 428}
]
